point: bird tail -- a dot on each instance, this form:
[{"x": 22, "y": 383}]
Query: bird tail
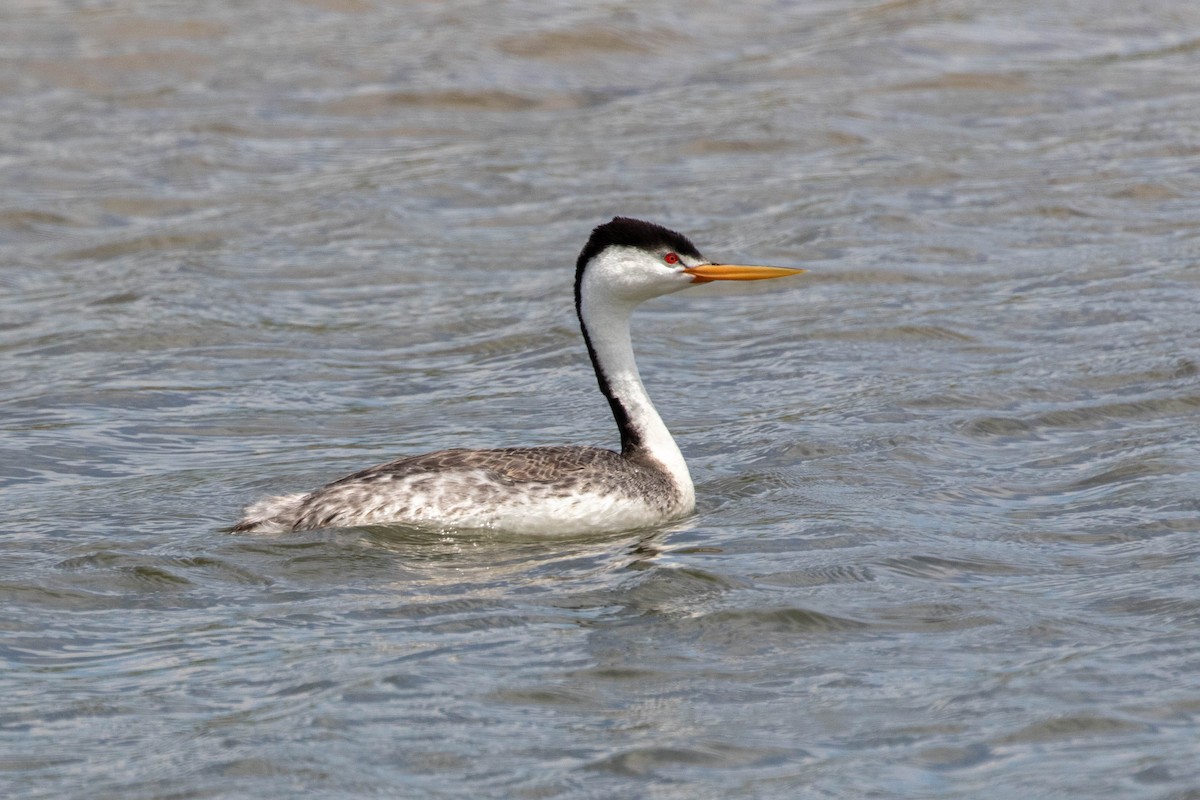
[{"x": 270, "y": 515}]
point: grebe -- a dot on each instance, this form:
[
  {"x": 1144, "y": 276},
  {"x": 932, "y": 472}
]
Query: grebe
[{"x": 546, "y": 489}]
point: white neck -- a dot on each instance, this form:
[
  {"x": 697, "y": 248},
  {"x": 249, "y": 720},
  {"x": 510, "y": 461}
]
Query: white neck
[{"x": 606, "y": 324}]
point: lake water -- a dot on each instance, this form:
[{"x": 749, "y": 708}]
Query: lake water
[{"x": 948, "y": 531}]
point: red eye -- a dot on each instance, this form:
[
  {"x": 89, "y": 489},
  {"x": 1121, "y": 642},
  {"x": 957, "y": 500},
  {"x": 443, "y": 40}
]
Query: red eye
[{"x": 671, "y": 258}]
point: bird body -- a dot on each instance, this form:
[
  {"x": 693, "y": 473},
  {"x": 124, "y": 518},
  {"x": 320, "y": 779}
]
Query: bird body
[
  {"x": 533, "y": 490},
  {"x": 546, "y": 489}
]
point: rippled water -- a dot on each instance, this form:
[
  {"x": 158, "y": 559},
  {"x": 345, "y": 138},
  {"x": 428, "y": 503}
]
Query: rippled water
[{"x": 946, "y": 543}]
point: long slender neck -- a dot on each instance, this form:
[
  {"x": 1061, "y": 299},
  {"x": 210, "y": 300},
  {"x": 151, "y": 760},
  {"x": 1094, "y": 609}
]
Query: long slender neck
[{"x": 643, "y": 433}]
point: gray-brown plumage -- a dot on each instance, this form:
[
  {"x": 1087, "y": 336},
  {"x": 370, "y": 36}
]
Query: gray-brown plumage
[{"x": 483, "y": 479}]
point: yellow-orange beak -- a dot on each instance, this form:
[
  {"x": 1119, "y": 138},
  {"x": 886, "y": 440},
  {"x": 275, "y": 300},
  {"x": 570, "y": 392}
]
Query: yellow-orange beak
[{"x": 706, "y": 273}]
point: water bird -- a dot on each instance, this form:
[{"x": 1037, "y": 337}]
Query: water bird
[{"x": 571, "y": 489}]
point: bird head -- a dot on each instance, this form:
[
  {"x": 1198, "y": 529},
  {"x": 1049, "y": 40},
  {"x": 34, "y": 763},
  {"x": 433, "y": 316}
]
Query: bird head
[{"x": 631, "y": 261}]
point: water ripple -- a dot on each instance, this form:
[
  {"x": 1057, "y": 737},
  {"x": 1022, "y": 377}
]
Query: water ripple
[{"x": 945, "y": 541}]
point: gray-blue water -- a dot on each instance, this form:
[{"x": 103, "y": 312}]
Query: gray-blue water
[{"x": 948, "y": 532}]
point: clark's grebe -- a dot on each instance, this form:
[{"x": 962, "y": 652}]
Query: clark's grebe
[{"x": 546, "y": 489}]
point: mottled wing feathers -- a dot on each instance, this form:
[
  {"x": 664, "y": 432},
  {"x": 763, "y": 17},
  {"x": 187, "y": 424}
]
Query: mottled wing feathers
[
  {"x": 469, "y": 487},
  {"x": 517, "y": 464},
  {"x": 450, "y": 483}
]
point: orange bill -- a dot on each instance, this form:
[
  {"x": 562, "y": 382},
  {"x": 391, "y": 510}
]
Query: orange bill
[{"x": 706, "y": 273}]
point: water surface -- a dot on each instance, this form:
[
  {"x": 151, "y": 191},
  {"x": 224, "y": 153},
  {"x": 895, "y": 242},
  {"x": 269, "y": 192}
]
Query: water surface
[{"x": 946, "y": 543}]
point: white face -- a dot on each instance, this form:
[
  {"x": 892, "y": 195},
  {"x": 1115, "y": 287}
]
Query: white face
[{"x": 633, "y": 275}]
